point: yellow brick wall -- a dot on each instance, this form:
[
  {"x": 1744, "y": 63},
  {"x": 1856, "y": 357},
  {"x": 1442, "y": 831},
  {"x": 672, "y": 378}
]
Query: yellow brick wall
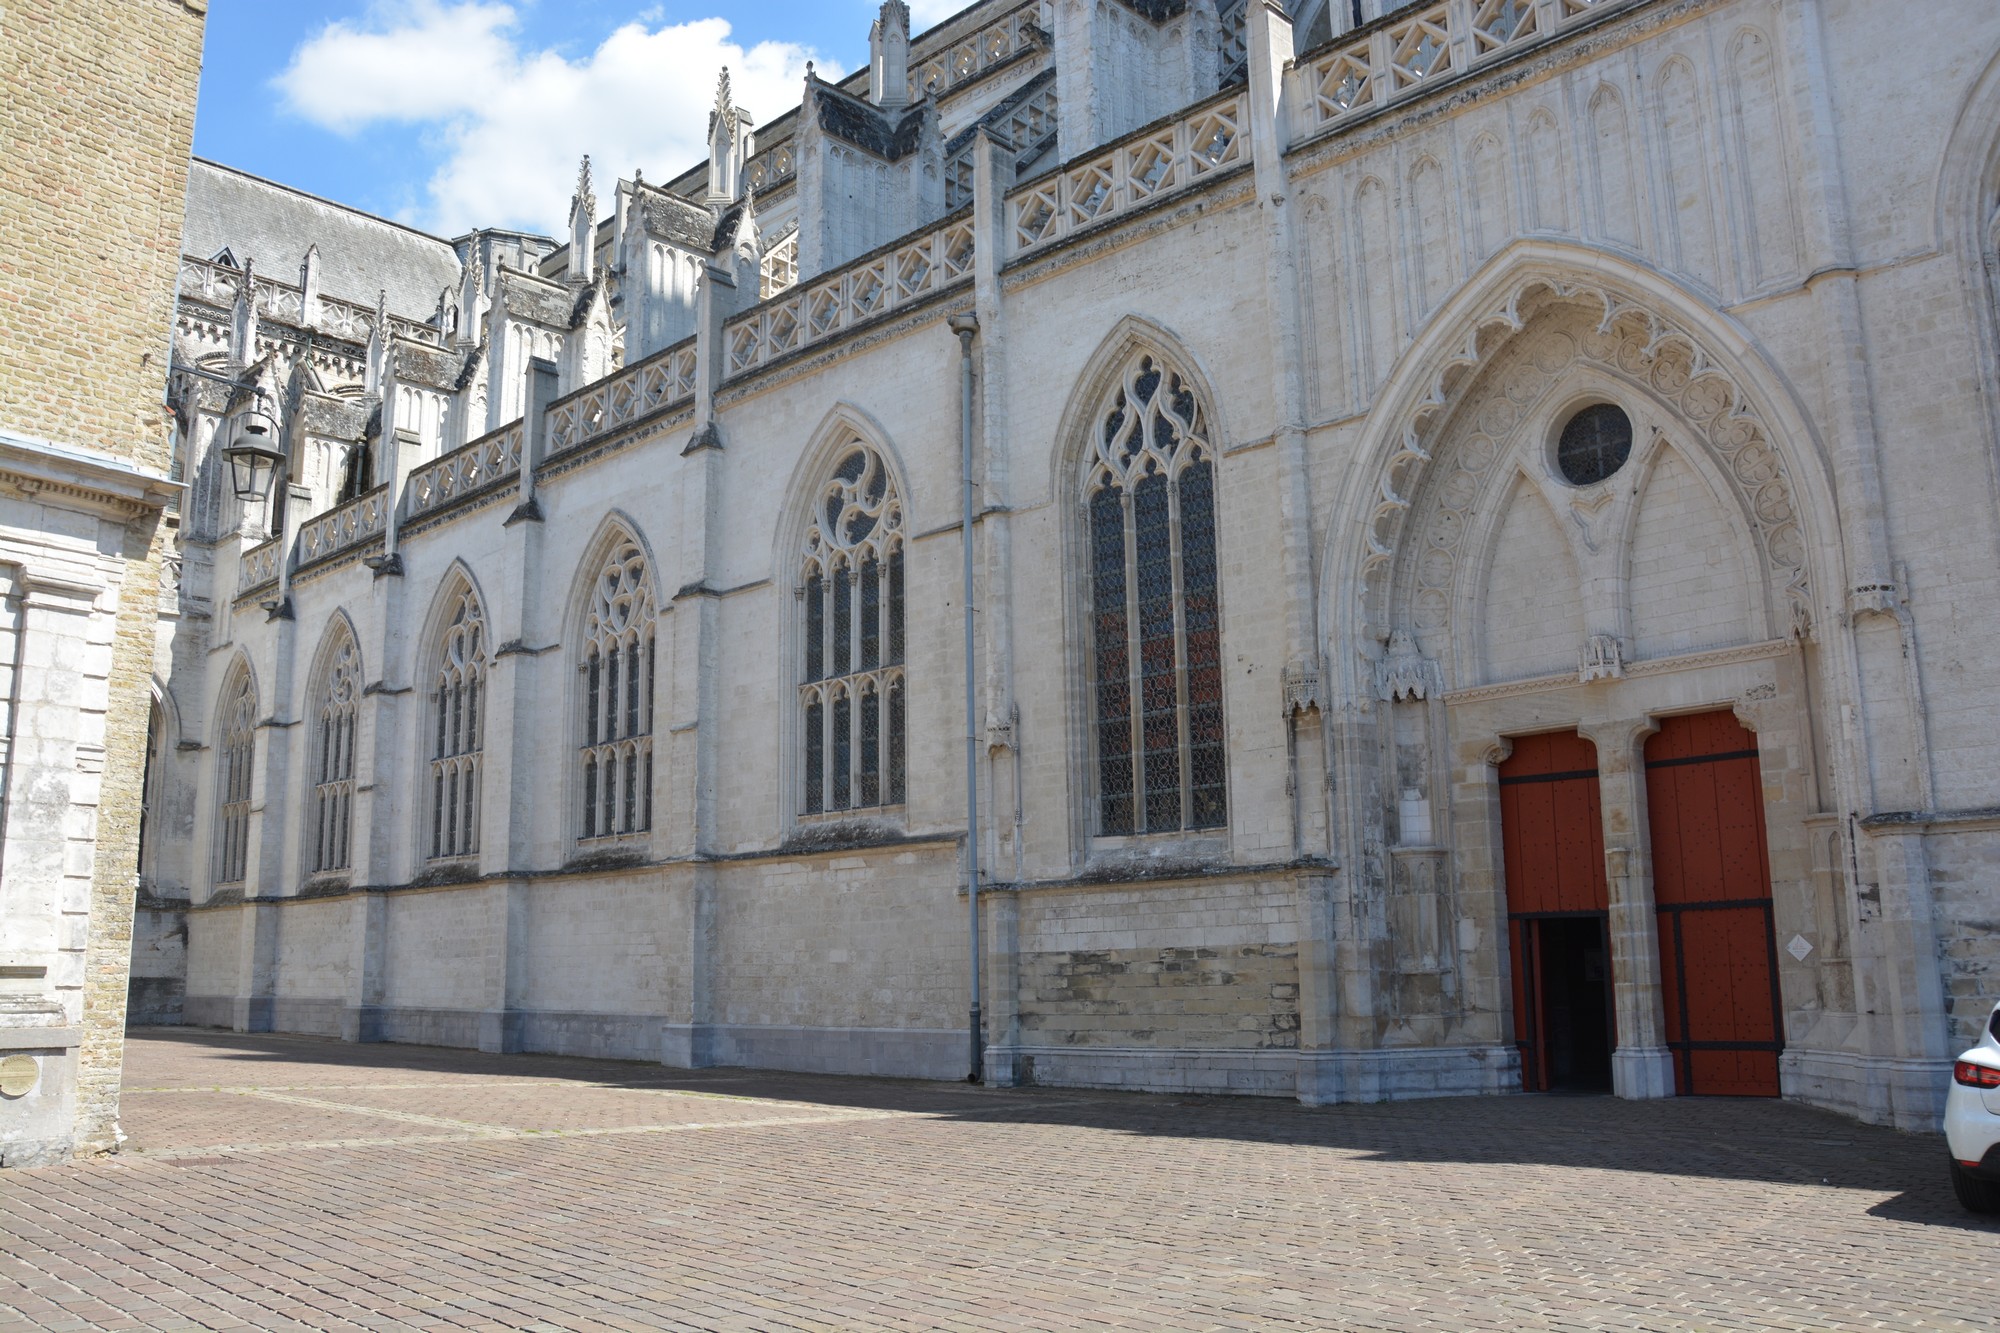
[{"x": 97, "y": 123}]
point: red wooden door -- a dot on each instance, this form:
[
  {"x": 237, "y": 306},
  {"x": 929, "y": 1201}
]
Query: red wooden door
[
  {"x": 1712, "y": 886},
  {"x": 1552, "y": 838}
]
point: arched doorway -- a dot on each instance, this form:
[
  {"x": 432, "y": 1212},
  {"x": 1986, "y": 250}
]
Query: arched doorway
[{"x": 1558, "y": 912}]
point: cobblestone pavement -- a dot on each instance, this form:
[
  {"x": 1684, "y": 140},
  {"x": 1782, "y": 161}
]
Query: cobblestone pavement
[{"x": 285, "y": 1183}]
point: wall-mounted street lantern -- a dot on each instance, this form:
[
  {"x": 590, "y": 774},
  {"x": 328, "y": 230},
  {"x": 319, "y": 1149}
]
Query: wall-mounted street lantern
[{"x": 253, "y": 455}]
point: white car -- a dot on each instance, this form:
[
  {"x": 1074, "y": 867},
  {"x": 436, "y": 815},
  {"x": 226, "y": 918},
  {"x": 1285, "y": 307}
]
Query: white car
[{"x": 1972, "y": 1122}]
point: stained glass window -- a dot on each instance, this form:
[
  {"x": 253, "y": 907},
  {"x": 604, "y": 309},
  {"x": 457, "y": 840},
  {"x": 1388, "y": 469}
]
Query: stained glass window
[
  {"x": 852, "y": 754},
  {"x": 333, "y": 758},
  {"x": 1595, "y": 443},
  {"x": 236, "y": 763},
  {"x": 458, "y": 686},
  {"x": 1156, "y": 654},
  {"x": 619, "y": 649}
]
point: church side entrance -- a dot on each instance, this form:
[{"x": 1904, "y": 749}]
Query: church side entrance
[
  {"x": 1557, "y": 912},
  {"x": 1712, "y": 886}
]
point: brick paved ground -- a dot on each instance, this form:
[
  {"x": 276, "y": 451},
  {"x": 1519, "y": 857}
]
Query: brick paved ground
[{"x": 282, "y": 1183}]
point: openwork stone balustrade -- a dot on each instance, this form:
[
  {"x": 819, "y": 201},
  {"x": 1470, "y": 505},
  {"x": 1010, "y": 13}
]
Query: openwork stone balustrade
[
  {"x": 337, "y": 529},
  {"x": 661, "y": 381},
  {"x": 875, "y": 286},
  {"x": 465, "y": 471},
  {"x": 258, "y": 567},
  {"x": 993, "y": 45},
  {"x": 1414, "y": 51},
  {"x": 1154, "y": 163}
]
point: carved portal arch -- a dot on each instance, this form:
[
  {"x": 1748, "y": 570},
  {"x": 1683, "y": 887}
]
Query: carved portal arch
[{"x": 1540, "y": 312}]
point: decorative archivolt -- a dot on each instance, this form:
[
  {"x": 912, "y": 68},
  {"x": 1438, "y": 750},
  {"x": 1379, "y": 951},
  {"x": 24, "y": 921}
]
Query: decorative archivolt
[{"x": 1629, "y": 340}]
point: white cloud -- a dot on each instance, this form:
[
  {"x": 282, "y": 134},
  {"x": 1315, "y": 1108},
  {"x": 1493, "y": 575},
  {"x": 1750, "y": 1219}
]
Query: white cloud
[{"x": 512, "y": 122}]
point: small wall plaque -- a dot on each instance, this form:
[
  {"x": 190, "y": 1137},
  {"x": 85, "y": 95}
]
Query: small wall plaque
[
  {"x": 18, "y": 1076},
  {"x": 1799, "y": 947}
]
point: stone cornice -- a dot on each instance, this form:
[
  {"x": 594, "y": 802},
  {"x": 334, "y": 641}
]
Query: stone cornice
[{"x": 81, "y": 481}]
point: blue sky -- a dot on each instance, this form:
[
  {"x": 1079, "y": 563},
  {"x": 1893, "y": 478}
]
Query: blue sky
[{"x": 450, "y": 114}]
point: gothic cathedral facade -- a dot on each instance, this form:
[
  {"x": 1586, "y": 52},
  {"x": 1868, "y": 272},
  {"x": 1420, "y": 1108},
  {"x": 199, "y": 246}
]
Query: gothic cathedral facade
[{"x": 1480, "y": 511}]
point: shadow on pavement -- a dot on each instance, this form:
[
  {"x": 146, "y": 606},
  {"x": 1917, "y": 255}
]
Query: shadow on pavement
[{"x": 1721, "y": 1138}]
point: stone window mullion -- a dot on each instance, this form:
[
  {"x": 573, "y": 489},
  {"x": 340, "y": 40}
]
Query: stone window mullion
[
  {"x": 1181, "y": 711},
  {"x": 1135, "y": 671}
]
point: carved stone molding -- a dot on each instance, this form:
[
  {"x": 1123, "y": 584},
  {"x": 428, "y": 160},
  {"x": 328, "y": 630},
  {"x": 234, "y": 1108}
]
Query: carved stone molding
[{"x": 1628, "y": 340}]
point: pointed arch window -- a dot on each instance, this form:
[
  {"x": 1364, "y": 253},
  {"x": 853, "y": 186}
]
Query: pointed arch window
[
  {"x": 619, "y": 655},
  {"x": 458, "y": 729},
  {"x": 236, "y": 760},
  {"x": 333, "y": 759},
  {"x": 853, "y": 704},
  {"x": 1156, "y": 659}
]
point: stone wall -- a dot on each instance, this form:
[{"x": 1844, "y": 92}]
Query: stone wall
[{"x": 99, "y": 120}]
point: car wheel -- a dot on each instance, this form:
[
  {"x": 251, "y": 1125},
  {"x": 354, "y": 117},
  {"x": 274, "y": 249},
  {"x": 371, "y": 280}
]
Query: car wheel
[{"x": 1978, "y": 1196}]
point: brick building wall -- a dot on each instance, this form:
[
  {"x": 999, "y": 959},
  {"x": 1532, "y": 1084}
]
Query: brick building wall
[{"x": 98, "y": 122}]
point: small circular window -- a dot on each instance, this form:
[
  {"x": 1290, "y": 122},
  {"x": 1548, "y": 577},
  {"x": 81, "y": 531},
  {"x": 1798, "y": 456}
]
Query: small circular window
[{"x": 1594, "y": 444}]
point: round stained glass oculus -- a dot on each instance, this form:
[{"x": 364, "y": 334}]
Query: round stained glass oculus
[{"x": 1594, "y": 444}]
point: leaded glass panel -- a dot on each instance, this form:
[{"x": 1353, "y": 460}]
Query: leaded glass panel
[
  {"x": 852, "y": 622},
  {"x": 1155, "y": 627},
  {"x": 333, "y": 758},
  {"x": 619, "y": 656},
  {"x": 460, "y": 667}
]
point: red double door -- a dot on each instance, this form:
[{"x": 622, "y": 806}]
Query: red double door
[
  {"x": 1712, "y": 886},
  {"x": 1711, "y": 877}
]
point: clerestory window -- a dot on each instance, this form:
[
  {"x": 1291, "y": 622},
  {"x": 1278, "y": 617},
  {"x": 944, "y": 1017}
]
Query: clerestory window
[
  {"x": 458, "y": 729},
  {"x": 236, "y": 759},
  {"x": 619, "y": 656},
  {"x": 1155, "y": 627},
  {"x": 853, "y": 701},
  {"x": 333, "y": 759}
]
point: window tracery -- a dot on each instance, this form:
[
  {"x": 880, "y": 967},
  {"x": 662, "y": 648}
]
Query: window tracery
[
  {"x": 459, "y": 730},
  {"x": 236, "y": 760},
  {"x": 619, "y": 655},
  {"x": 333, "y": 759},
  {"x": 1155, "y": 624},
  {"x": 853, "y": 702}
]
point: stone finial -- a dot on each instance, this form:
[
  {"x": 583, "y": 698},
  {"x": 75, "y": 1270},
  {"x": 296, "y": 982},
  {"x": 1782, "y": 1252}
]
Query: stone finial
[
  {"x": 309, "y": 287},
  {"x": 725, "y": 105},
  {"x": 377, "y": 369},
  {"x": 583, "y": 227},
  {"x": 889, "y": 56},
  {"x": 729, "y": 145},
  {"x": 243, "y": 319}
]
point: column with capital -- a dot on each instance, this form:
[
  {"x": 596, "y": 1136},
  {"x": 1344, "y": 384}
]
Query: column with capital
[{"x": 1641, "y": 1066}]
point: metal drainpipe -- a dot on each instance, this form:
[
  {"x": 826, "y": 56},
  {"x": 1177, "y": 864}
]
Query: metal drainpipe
[{"x": 966, "y": 324}]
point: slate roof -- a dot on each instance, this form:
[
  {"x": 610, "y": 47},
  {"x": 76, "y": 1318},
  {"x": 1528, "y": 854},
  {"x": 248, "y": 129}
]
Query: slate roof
[{"x": 272, "y": 225}]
